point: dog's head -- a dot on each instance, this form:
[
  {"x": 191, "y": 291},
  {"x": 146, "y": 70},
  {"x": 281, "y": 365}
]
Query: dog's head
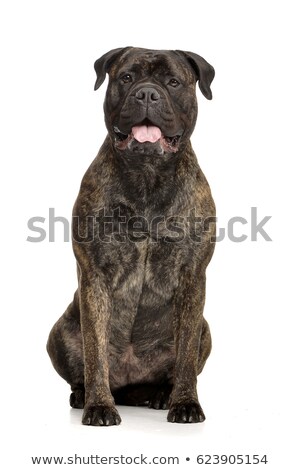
[{"x": 150, "y": 105}]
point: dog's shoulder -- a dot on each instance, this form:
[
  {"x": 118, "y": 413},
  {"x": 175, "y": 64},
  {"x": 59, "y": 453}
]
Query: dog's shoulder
[{"x": 94, "y": 183}]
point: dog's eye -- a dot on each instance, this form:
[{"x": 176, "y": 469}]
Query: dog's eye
[
  {"x": 126, "y": 78},
  {"x": 173, "y": 82}
]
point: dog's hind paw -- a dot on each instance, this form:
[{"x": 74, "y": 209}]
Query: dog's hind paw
[
  {"x": 160, "y": 398},
  {"x": 186, "y": 413},
  {"x": 100, "y": 415},
  {"x": 77, "y": 399}
]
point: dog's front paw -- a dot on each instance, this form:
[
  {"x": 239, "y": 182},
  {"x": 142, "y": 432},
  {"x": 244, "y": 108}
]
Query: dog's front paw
[
  {"x": 100, "y": 415},
  {"x": 186, "y": 413}
]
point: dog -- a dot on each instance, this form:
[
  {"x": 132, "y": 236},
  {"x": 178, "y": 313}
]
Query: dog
[{"x": 143, "y": 234}]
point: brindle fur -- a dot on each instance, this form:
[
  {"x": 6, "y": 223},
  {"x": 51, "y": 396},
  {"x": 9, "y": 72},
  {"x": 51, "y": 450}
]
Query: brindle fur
[{"x": 135, "y": 332}]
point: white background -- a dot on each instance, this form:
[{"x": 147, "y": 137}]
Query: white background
[{"x": 247, "y": 142}]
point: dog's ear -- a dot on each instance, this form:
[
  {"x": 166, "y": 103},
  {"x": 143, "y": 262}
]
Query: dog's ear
[
  {"x": 204, "y": 72},
  {"x": 102, "y": 65}
]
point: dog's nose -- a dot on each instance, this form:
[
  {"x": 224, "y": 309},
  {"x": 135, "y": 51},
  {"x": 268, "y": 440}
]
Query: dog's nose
[{"x": 147, "y": 95}]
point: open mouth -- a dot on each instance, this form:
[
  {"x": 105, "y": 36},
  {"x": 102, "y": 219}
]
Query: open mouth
[{"x": 146, "y": 132}]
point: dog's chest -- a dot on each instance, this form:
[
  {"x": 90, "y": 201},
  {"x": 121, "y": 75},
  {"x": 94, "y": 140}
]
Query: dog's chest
[
  {"x": 143, "y": 284},
  {"x": 146, "y": 274},
  {"x": 142, "y": 258}
]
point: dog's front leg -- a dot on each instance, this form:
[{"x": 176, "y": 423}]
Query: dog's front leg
[
  {"x": 95, "y": 311},
  {"x": 188, "y": 319}
]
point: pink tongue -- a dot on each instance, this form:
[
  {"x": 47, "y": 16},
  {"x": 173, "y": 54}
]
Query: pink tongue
[{"x": 146, "y": 133}]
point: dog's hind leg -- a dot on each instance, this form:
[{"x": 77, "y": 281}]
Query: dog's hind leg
[
  {"x": 205, "y": 346},
  {"x": 65, "y": 349}
]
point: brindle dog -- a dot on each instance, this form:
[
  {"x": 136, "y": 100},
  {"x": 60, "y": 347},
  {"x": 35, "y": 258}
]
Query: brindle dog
[{"x": 135, "y": 333}]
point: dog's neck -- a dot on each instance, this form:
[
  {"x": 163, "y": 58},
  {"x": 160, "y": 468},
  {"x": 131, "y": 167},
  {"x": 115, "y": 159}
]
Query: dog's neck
[{"x": 149, "y": 180}]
